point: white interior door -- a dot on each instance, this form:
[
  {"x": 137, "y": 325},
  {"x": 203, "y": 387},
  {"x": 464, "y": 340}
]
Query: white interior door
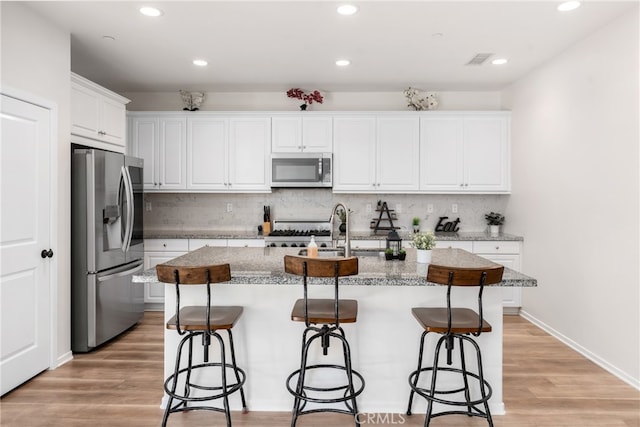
[{"x": 25, "y": 267}]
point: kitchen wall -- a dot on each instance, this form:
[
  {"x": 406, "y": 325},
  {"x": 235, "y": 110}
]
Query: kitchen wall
[
  {"x": 36, "y": 60},
  {"x": 334, "y": 101},
  {"x": 209, "y": 211},
  {"x": 575, "y": 182}
]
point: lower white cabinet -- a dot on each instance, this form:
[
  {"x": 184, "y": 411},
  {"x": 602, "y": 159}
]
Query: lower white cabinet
[
  {"x": 505, "y": 253},
  {"x": 157, "y": 251}
]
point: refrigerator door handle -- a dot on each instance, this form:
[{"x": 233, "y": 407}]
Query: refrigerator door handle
[
  {"x": 122, "y": 273},
  {"x": 128, "y": 190}
]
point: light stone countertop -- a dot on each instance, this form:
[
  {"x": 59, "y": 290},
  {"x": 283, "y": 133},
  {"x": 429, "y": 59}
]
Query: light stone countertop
[{"x": 265, "y": 266}]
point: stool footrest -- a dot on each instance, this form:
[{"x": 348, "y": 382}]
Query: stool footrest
[
  {"x": 231, "y": 388},
  {"x": 426, "y": 393},
  {"x": 347, "y": 396}
]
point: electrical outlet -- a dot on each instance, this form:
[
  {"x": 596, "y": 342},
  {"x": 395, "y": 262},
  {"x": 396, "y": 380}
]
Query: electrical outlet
[
  {"x": 368, "y": 208},
  {"x": 229, "y": 207},
  {"x": 430, "y": 208},
  {"x": 148, "y": 206},
  {"x": 454, "y": 208},
  {"x": 398, "y": 208}
]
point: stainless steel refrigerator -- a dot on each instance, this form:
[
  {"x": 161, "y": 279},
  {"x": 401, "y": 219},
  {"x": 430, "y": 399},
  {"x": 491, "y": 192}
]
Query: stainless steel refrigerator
[{"x": 106, "y": 245}]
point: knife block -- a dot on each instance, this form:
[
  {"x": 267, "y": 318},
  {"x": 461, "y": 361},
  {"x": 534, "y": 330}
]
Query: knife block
[{"x": 266, "y": 228}]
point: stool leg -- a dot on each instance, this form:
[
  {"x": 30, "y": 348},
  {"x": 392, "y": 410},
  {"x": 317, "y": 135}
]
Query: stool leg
[
  {"x": 463, "y": 367},
  {"x": 167, "y": 410},
  {"x": 346, "y": 351},
  {"x": 432, "y": 391},
  {"x": 482, "y": 388},
  {"x": 306, "y": 343},
  {"x": 223, "y": 367},
  {"x": 415, "y": 381},
  {"x": 235, "y": 370}
]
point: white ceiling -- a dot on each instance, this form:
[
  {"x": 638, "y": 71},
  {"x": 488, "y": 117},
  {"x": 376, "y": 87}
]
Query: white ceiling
[{"x": 276, "y": 45}]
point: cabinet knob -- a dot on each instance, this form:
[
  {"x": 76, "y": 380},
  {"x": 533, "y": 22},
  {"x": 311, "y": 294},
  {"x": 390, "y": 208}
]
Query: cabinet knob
[
  {"x": 497, "y": 247},
  {"x": 164, "y": 244}
]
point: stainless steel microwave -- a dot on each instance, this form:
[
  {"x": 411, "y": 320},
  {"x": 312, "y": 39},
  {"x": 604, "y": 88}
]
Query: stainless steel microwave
[{"x": 311, "y": 170}]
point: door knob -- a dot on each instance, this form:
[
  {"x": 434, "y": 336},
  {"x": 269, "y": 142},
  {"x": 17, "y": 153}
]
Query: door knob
[{"x": 46, "y": 253}]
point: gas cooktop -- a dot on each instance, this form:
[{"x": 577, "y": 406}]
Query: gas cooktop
[{"x": 294, "y": 233}]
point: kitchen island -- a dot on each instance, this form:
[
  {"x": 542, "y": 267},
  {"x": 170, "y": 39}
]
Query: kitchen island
[{"x": 384, "y": 341}]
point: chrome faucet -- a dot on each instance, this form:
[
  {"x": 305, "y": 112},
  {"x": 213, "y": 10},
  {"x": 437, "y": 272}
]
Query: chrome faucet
[{"x": 347, "y": 241}]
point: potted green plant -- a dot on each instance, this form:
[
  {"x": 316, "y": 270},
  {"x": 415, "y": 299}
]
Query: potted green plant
[
  {"x": 424, "y": 242},
  {"x": 402, "y": 254},
  {"x": 416, "y": 224},
  {"x": 388, "y": 254},
  {"x": 494, "y": 221}
]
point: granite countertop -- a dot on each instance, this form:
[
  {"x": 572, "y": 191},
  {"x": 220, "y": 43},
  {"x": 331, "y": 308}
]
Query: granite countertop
[
  {"x": 355, "y": 235},
  {"x": 266, "y": 266}
]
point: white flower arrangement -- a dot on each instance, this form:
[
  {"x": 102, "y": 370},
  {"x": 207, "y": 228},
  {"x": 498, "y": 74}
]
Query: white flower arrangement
[{"x": 424, "y": 240}]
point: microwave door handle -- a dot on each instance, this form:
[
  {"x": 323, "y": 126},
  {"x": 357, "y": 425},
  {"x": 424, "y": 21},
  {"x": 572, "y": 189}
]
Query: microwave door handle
[{"x": 320, "y": 175}]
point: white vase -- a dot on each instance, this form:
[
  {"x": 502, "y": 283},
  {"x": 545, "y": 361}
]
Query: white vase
[
  {"x": 494, "y": 230},
  {"x": 423, "y": 256}
]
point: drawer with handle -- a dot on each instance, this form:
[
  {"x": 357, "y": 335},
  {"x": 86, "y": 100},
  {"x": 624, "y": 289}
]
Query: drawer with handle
[
  {"x": 159, "y": 245},
  {"x": 496, "y": 247}
]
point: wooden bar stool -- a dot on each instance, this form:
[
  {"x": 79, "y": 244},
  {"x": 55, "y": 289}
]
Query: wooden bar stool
[
  {"x": 201, "y": 321},
  {"x": 452, "y": 324},
  {"x": 329, "y": 313}
]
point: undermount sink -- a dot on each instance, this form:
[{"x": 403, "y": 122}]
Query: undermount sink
[{"x": 330, "y": 252}]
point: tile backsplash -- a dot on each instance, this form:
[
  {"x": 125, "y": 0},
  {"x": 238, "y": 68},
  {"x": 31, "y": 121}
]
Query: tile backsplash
[{"x": 243, "y": 212}]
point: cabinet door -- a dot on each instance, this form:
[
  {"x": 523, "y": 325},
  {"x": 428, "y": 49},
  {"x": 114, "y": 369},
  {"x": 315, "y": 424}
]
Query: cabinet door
[
  {"x": 113, "y": 122},
  {"x": 154, "y": 292},
  {"x": 173, "y": 153},
  {"x": 354, "y": 159},
  {"x": 145, "y": 145},
  {"x": 486, "y": 154},
  {"x": 398, "y": 159},
  {"x": 441, "y": 150},
  {"x": 511, "y": 296},
  {"x": 207, "y": 154},
  {"x": 249, "y": 148},
  {"x": 317, "y": 134},
  {"x": 85, "y": 111},
  {"x": 286, "y": 134}
]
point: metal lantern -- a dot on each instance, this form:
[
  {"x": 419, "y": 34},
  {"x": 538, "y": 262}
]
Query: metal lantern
[{"x": 394, "y": 242}]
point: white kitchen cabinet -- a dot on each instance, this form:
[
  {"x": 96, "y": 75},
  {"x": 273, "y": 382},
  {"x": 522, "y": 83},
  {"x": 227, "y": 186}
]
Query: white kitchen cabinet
[
  {"x": 367, "y": 244},
  {"x": 302, "y": 133},
  {"x": 465, "y": 153},
  {"x": 228, "y": 154},
  {"x": 161, "y": 142},
  {"x": 507, "y": 253},
  {"x": 207, "y": 153},
  {"x": 157, "y": 251},
  {"x": 455, "y": 244},
  {"x": 199, "y": 243},
  {"x": 249, "y": 150},
  {"x": 376, "y": 154},
  {"x": 245, "y": 243},
  {"x": 98, "y": 115}
]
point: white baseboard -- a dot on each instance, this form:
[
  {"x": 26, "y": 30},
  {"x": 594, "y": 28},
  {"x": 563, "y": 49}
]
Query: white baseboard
[
  {"x": 67, "y": 357},
  {"x": 633, "y": 382}
]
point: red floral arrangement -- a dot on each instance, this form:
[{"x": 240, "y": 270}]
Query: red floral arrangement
[{"x": 308, "y": 98}]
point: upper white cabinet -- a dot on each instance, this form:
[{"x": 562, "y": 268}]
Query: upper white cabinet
[
  {"x": 161, "y": 142},
  {"x": 228, "y": 153},
  {"x": 98, "y": 115},
  {"x": 301, "y": 133},
  {"x": 376, "y": 153},
  {"x": 465, "y": 153}
]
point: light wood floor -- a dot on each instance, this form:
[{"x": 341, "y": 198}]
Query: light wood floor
[{"x": 546, "y": 384}]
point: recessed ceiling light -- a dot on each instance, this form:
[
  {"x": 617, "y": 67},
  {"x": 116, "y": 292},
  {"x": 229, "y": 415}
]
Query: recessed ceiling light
[
  {"x": 437, "y": 35},
  {"x": 568, "y": 5},
  {"x": 108, "y": 38},
  {"x": 200, "y": 62},
  {"x": 342, "y": 62},
  {"x": 347, "y": 9},
  {"x": 150, "y": 11},
  {"x": 499, "y": 61}
]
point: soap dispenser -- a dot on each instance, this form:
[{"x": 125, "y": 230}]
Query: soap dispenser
[{"x": 312, "y": 248}]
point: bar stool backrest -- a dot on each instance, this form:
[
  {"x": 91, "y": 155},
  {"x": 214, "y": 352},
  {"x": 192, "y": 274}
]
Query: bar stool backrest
[
  {"x": 453, "y": 276},
  {"x": 205, "y": 275},
  {"x": 321, "y": 267}
]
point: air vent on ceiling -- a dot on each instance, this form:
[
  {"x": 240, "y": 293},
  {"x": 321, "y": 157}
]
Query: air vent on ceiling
[{"x": 479, "y": 59}]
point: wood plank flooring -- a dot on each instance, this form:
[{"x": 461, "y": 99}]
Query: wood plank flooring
[{"x": 546, "y": 384}]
